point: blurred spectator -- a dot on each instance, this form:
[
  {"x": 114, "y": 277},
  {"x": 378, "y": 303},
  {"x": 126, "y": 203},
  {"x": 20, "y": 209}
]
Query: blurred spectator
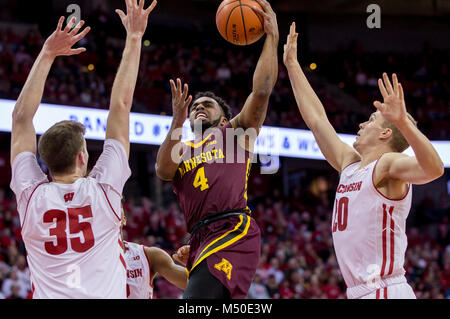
[{"x": 257, "y": 289}]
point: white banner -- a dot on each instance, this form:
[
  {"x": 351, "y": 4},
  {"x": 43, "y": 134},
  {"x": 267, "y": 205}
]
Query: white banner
[{"x": 152, "y": 130}]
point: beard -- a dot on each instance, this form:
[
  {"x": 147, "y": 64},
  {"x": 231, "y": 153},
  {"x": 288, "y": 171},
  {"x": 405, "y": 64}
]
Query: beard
[{"x": 206, "y": 125}]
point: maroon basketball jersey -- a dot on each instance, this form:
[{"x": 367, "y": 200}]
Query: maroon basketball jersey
[{"x": 212, "y": 176}]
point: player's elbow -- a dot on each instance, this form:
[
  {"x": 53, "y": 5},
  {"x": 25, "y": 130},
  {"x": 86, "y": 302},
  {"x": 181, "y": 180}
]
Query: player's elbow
[
  {"x": 164, "y": 174},
  {"x": 438, "y": 170}
]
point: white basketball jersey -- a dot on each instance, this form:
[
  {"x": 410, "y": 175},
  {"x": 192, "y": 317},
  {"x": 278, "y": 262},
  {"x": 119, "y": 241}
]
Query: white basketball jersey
[
  {"x": 138, "y": 272},
  {"x": 71, "y": 231},
  {"x": 368, "y": 232}
]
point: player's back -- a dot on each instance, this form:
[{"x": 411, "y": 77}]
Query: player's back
[
  {"x": 368, "y": 232},
  {"x": 71, "y": 232}
]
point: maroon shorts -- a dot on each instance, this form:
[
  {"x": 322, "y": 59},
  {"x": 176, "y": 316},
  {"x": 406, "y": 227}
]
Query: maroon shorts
[{"x": 231, "y": 248}]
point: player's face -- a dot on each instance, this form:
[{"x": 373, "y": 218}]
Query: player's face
[
  {"x": 205, "y": 112},
  {"x": 369, "y": 131}
]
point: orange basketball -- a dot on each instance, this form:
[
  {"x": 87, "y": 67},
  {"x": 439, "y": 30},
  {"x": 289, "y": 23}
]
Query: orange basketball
[{"x": 238, "y": 22}]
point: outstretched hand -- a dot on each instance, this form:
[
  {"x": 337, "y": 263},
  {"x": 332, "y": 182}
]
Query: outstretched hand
[
  {"x": 290, "y": 48},
  {"x": 270, "y": 18},
  {"x": 180, "y": 100},
  {"x": 61, "y": 41},
  {"x": 393, "y": 108},
  {"x": 136, "y": 19}
]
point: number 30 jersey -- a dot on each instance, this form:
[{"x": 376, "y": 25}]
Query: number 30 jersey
[
  {"x": 212, "y": 176},
  {"x": 368, "y": 232},
  {"x": 71, "y": 231}
]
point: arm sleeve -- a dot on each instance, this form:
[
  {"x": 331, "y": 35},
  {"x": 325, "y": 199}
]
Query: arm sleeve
[
  {"x": 26, "y": 174},
  {"x": 112, "y": 167}
]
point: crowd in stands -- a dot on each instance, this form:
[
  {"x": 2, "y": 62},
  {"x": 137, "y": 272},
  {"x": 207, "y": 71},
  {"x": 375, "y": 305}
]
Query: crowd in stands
[
  {"x": 297, "y": 254},
  {"x": 86, "y": 80}
]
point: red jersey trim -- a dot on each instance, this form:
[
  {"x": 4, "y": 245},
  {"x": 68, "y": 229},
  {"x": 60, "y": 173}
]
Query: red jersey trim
[
  {"x": 349, "y": 165},
  {"x": 376, "y": 189},
  {"x": 123, "y": 262},
  {"x": 149, "y": 266},
  {"x": 28, "y": 202},
  {"x": 109, "y": 202}
]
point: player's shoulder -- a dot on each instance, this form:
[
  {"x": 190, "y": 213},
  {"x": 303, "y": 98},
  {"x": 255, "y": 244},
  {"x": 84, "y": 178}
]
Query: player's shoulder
[{"x": 388, "y": 158}]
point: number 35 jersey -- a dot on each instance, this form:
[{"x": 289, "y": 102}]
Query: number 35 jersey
[
  {"x": 368, "y": 231},
  {"x": 212, "y": 176},
  {"x": 71, "y": 231}
]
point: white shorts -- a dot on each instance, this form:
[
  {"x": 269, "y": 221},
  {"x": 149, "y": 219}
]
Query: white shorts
[{"x": 396, "y": 291}]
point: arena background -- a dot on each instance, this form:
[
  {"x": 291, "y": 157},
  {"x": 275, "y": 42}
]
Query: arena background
[{"x": 293, "y": 207}]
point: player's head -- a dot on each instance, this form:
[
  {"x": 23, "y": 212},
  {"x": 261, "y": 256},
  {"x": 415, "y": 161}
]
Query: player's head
[
  {"x": 210, "y": 109},
  {"x": 63, "y": 149},
  {"x": 378, "y": 132}
]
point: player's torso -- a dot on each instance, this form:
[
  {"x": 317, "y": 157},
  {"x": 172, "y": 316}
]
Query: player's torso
[
  {"x": 212, "y": 177},
  {"x": 71, "y": 232},
  {"x": 138, "y": 272},
  {"x": 368, "y": 229}
]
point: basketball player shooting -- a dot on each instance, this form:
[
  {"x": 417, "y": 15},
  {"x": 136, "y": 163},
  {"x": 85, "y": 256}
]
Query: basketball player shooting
[
  {"x": 374, "y": 194},
  {"x": 70, "y": 226},
  {"x": 225, "y": 240}
]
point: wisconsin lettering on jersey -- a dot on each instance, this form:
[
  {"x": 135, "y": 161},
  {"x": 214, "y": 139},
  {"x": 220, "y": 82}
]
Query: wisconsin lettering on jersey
[
  {"x": 204, "y": 157},
  {"x": 349, "y": 188},
  {"x": 135, "y": 273}
]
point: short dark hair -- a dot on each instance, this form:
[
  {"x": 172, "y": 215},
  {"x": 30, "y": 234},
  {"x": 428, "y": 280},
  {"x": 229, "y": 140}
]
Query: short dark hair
[
  {"x": 225, "y": 107},
  {"x": 60, "y": 144}
]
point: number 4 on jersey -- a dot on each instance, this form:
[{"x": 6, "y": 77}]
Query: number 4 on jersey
[
  {"x": 201, "y": 180},
  {"x": 340, "y": 214}
]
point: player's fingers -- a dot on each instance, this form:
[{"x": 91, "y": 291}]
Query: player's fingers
[
  {"x": 82, "y": 34},
  {"x": 265, "y": 15},
  {"x": 60, "y": 24},
  {"x": 172, "y": 87},
  {"x": 379, "y": 106},
  {"x": 395, "y": 84},
  {"x": 400, "y": 91},
  {"x": 76, "y": 51},
  {"x": 387, "y": 83},
  {"x": 382, "y": 88},
  {"x": 292, "y": 29},
  {"x": 141, "y": 4},
  {"x": 77, "y": 28},
  {"x": 129, "y": 4},
  {"x": 188, "y": 102},
  {"x": 121, "y": 14},
  {"x": 266, "y": 6},
  {"x": 70, "y": 24},
  {"x": 152, "y": 6},
  {"x": 178, "y": 86},
  {"x": 185, "y": 91}
]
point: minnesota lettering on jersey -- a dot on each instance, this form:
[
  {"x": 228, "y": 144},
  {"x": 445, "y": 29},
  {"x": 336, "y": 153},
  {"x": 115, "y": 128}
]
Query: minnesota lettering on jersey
[
  {"x": 134, "y": 273},
  {"x": 349, "y": 188},
  {"x": 204, "y": 157}
]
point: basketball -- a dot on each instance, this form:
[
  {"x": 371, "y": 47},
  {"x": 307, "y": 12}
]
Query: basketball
[{"x": 238, "y": 22}]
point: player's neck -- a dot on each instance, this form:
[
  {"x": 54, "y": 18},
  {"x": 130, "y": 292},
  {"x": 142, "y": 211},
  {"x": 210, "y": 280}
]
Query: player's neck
[
  {"x": 66, "y": 179},
  {"x": 371, "y": 155}
]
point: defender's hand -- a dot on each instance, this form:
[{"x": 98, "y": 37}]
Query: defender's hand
[
  {"x": 61, "y": 41},
  {"x": 290, "y": 48},
  {"x": 182, "y": 255},
  {"x": 136, "y": 19},
  {"x": 394, "y": 108},
  {"x": 270, "y": 19},
  {"x": 179, "y": 102}
]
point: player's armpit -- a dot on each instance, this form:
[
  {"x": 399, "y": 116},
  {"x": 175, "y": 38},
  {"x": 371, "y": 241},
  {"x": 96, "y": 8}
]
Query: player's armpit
[{"x": 402, "y": 167}]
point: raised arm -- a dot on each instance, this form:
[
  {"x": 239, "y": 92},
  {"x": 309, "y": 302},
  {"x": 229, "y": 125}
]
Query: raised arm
[
  {"x": 254, "y": 110},
  {"x": 60, "y": 42},
  {"x": 336, "y": 152},
  {"x": 160, "y": 262},
  {"x": 426, "y": 165},
  {"x": 135, "y": 23},
  {"x": 168, "y": 157}
]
